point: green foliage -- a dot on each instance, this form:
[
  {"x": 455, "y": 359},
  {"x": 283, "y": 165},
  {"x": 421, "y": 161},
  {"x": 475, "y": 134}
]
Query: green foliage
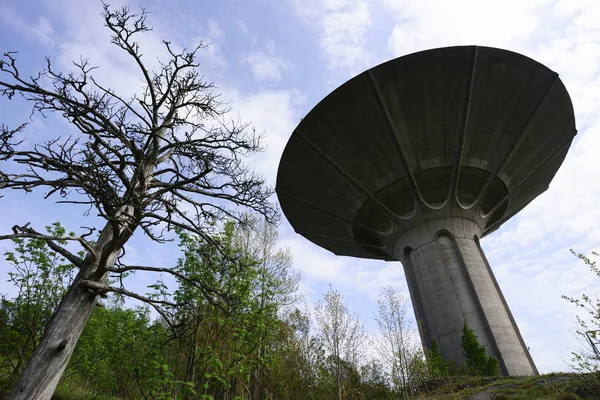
[
  {"x": 230, "y": 290},
  {"x": 228, "y": 278},
  {"x": 162, "y": 383},
  {"x": 587, "y": 359},
  {"x": 436, "y": 365},
  {"x": 493, "y": 367},
  {"x": 399, "y": 348},
  {"x": 233, "y": 333},
  {"x": 374, "y": 382},
  {"x": 477, "y": 362},
  {"x": 343, "y": 338},
  {"x": 120, "y": 354}
]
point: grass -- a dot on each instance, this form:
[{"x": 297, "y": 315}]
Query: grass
[
  {"x": 557, "y": 386},
  {"x": 73, "y": 390}
]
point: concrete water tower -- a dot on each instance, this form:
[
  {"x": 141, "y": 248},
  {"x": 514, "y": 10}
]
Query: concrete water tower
[{"x": 419, "y": 158}]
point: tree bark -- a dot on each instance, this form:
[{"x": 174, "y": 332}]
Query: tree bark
[{"x": 49, "y": 360}]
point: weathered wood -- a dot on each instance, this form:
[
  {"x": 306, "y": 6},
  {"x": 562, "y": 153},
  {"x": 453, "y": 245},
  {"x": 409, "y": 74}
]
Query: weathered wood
[
  {"x": 49, "y": 360},
  {"x": 41, "y": 375}
]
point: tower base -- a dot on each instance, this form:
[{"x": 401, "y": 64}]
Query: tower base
[{"x": 450, "y": 283}]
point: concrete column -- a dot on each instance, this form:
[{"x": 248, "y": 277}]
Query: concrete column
[{"x": 451, "y": 283}]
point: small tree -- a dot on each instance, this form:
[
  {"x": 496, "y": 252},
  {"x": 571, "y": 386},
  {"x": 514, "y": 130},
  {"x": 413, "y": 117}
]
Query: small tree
[
  {"x": 298, "y": 357},
  {"x": 343, "y": 337},
  {"x": 588, "y": 328},
  {"x": 436, "y": 365},
  {"x": 166, "y": 158},
  {"x": 477, "y": 362},
  {"x": 275, "y": 287},
  {"x": 400, "y": 344},
  {"x": 227, "y": 337}
]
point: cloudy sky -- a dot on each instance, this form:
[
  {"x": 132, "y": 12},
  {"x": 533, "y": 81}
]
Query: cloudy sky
[{"x": 275, "y": 59}]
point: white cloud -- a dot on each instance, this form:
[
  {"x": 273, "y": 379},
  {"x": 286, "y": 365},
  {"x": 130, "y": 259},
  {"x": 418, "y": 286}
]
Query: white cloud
[
  {"x": 215, "y": 30},
  {"x": 40, "y": 31},
  {"x": 437, "y": 23},
  {"x": 211, "y": 57},
  {"x": 43, "y": 31},
  {"x": 243, "y": 27},
  {"x": 265, "y": 66},
  {"x": 342, "y": 27},
  {"x": 344, "y": 31},
  {"x": 272, "y": 112},
  {"x": 83, "y": 35},
  {"x": 358, "y": 279}
]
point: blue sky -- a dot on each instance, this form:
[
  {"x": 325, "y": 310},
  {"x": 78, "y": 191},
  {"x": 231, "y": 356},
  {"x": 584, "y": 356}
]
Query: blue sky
[{"x": 274, "y": 60}]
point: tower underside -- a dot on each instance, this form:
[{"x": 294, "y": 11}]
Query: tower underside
[
  {"x": 451, "y": 283},
  {"x": 416, "y": 160}
]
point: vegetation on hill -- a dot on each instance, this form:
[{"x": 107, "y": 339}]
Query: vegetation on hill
[{"x": 241, "y": 334}]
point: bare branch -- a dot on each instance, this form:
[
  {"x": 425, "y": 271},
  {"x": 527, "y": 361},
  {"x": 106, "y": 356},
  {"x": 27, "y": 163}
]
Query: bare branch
[
  {"x": 118, "y": 22},
  {"x": 26, "y": 232},
  {"x": 207, "y": 291},
  {"x": 100, "y": 288},
  {"x": 72, "y": 258}
]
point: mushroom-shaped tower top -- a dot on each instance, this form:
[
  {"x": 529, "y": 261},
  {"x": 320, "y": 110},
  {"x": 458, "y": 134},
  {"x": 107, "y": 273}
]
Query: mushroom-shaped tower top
[{"x": 460, "y": 132}]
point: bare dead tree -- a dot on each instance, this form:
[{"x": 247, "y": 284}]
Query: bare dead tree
[{"x": 165, "y": 158}]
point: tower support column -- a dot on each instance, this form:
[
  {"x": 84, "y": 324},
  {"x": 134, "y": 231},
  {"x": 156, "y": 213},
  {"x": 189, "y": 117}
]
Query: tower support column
[{"x": 450, "y": 283}]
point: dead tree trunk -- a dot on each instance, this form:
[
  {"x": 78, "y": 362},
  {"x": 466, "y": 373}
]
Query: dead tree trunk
[
  {"x": 49, "y": 360},
  {"x": 40, "y": 377}
]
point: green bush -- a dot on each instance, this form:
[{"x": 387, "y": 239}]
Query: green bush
[{"x": 477, "y": 362}]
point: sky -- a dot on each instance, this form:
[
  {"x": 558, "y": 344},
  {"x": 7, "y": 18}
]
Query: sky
[{"x": 273, "y": 60}]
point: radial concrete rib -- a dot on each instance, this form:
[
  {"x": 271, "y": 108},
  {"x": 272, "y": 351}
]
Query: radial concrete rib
[
  {"x": 347, "y": 176},
  {"x": 327, "y": 212},
  {"x": 463, "y": 134},
  {"x": 517, "y": 188},
  {"x": 392, "y": 131},
  {"x": 520, "y": 139}
]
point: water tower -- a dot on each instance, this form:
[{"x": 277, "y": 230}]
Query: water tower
[{"x": 419, "y": 158}]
